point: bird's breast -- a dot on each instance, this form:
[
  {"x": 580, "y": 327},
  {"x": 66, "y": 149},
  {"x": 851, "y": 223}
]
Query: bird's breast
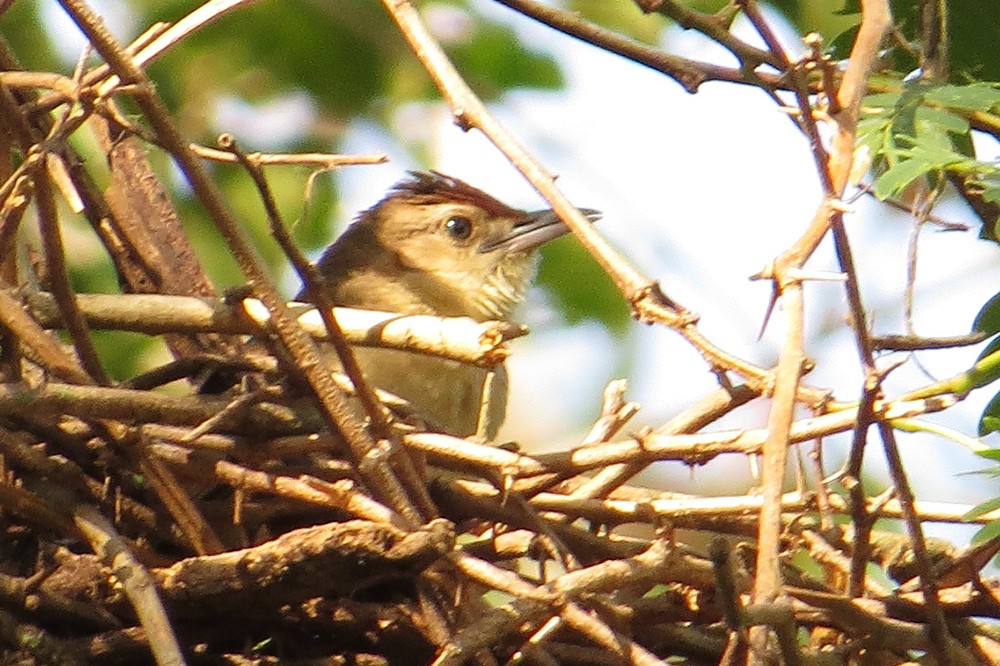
[{"x": 447, "y": 393}]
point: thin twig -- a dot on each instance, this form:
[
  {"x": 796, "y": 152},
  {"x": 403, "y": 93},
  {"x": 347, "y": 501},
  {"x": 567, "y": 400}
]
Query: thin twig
[
  {"x": 688, "y": 73},
  {"x": 135, "y": 580},
  {"x": 456, "y": 338},
  {"x": 322, "y": 160}
]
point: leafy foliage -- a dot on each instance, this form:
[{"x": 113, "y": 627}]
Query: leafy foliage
[
  {"x": 988, "y": 322},
  {"x": 992, "y": 528},
  {"x": 923, "y": 131}
]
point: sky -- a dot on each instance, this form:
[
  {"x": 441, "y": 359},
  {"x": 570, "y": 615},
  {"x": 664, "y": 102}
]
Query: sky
[{"x": 699, "y": 191}]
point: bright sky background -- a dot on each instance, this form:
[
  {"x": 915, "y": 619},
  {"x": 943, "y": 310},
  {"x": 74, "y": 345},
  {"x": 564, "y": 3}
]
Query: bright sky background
[{"x": 700, "y": 191}]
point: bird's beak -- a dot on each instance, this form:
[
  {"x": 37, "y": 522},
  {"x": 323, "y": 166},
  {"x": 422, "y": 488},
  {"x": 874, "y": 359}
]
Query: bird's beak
[{"x": 533, "y": 230}]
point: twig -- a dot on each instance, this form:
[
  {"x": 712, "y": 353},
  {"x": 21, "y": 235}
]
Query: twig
[
  {"x": 461, "y": 454},
  {"x": 612, "y": 641},
  {"x": 917, "y": 343},
  {"x": 52, "y": 239},
  {"x": 457, "y": 338},
  {"x": 47, "y": 351},
  {"x": 322, "y": 160},
  {"x": 284, "y": 570},
  {"x": 715, "y": 28},
  {"x": 689, "y": 421},
  {"x": 533, "y": 602},
  {"x": 94, "y": 402},
  {"x": 135, "y": 580},
  {"x": 61, "y": 289},
  {"x": 343, "y": 495},
  {"x": 690, "y": 74},
  {"x": 833, "y": 173}
]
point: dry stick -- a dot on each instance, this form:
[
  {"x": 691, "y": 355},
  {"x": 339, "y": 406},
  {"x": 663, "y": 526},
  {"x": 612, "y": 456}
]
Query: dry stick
[
  {"x": 918, "y": 343},
  {"x": 945, "y": 648},
  {"x": 533, "y": 602},
  {"x": 852, "y": 480},
  {"x": 825, "y": 554},
  {"x": 20, "y": 452},
  {"x": 846, "y": 615},
  {"x": 94, "y": 402},
  {"x": 457, "y": 338},
  {"x": 135, "y": 580},
  {"x": 876, "y": 18},
  {"x": 150, "y": 45},
  {"x": 794, "y": 73},
  {"x": 47, "y": 351},
  {"x": 192, "y": 523},
  {"x": 36, "y": 511},
  {"x": 482, "y": 459},
  {"x": 322, "y": 160},
  {"x": 30, "y": 80},
  {"x": 11, "y": 214},
  {"x": 342, "y": 495},
  {"x": 688, "y": 73},
  {"x": 336, "y": 411},
  {"x": 833, "y": 171},
  {"x": 614, "y": 642},
  {"x": 691, "y": 420},
  {"x": 51, "y": 238},
  {"x": 147, "y": 256},
  {"x": 767, "y": 583},
  {"x": 315, "y": 288},
  {"x": 182, "y": 508},
  {"x": 714, "y": 27},
  {"x": 630, "y": 504},
  {"x": 55, "y": 262}
]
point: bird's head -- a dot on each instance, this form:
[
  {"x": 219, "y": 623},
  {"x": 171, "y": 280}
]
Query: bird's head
[{"x": 436, "y": 245}]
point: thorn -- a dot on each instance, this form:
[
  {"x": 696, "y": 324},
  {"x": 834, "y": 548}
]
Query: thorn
[
  {"x": 802, "y": 275},
  {"x": 766, "y": 273},
  {"x": 770, "y": 310}
]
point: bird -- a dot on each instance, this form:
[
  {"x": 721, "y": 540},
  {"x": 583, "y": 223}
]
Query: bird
[{"x": 435, "y": 245}]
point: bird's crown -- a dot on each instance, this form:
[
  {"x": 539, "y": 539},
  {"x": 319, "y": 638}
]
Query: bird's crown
[{"x": 433, "y": 187}]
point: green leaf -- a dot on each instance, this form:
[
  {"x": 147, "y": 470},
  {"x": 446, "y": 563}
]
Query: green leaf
[
  {"x": 881, "y": 101},
  {"x": 943, "y": 119},
  {"x": 974, "y": 97},
  {"x": 988, "y": 319},
  {"x": 990, "y": 349},
  {"x": 990, "y": 420},
  {"x": 981, "y": 509},
  {"x": 990, "y": 454},
  {"x": 988, "y": 531},
  {"x": 899, "y": 176},
  {"x": 991, "y": 190}
]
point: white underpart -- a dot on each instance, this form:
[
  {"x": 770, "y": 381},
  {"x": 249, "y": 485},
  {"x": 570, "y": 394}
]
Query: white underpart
[{"x": 504, "y": 289}]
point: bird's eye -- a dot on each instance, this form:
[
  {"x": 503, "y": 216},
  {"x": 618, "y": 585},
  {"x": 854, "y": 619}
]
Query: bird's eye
[{"x": 458, "y": 227}]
